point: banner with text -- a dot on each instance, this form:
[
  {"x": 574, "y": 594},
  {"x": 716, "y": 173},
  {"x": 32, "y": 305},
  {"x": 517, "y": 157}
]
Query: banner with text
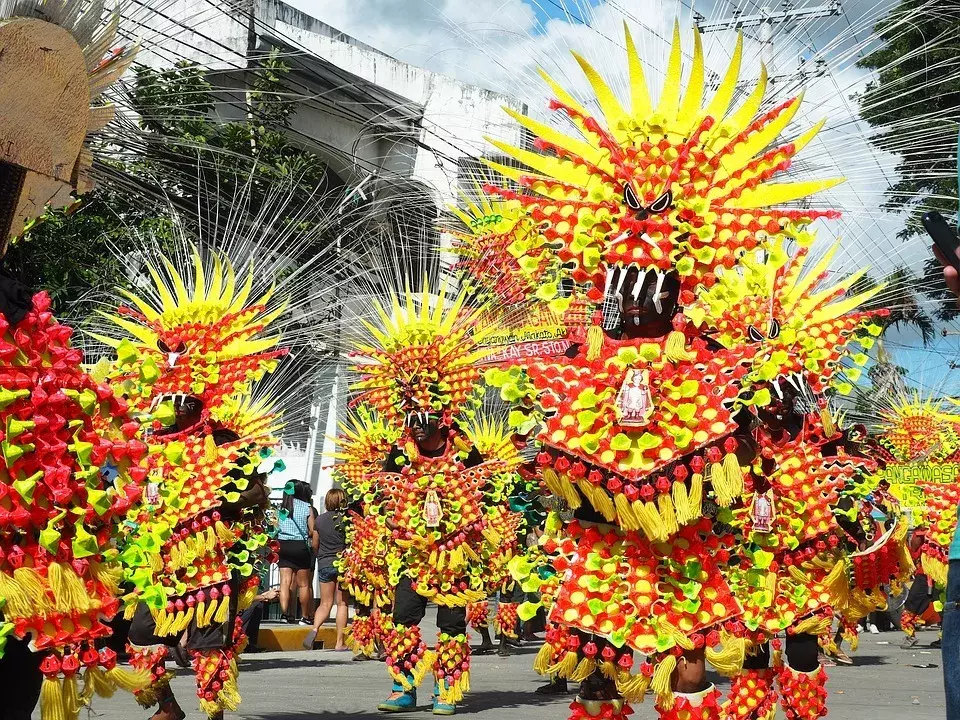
[
  {"x": 903, "y": 481},
  {"x": 532, "y": 342}
]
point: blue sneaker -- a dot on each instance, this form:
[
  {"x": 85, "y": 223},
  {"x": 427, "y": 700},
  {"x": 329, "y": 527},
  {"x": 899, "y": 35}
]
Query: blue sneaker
[
  {"x": 400, "y": 700},
  {"x": 440, "y": 707}
]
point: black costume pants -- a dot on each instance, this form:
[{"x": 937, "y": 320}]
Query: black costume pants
[
  {"x": 409, "y": 609},
  {"x": 918, "y": 598},
  {"x": 20, "y": 680},
  {"x": 802, "y": 651},
  {"x": 143, "y": 632},
  {"x": 251, "y": 619}
]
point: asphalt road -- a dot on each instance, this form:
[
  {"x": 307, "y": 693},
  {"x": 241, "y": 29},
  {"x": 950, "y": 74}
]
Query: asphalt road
[{"x": 886, "y": 683}]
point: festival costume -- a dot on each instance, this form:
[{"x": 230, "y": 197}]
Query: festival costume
[
  {"x": 798, "y": 557},
  {"x": 363, "y": 441},
  {"x": 645, "y": 438},
  {"x": 70, "y": 464},
  {"x": 505, "y": 525},
  {"x": 200, "y": 532},
  {"x": 878, "y": 560},
  {"x": 423, "y": 363},
  {"x": 919, "y": 446},
  {"x": 647, "y": 572}
]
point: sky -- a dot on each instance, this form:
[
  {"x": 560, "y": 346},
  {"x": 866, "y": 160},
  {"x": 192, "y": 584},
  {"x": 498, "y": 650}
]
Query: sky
[{"x": 498, "y": 44}]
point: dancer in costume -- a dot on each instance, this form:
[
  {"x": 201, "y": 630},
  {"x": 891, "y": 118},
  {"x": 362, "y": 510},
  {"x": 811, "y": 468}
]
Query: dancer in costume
[
  {"x": 493, "y": 441},
  {"x": 419, "y": 373},
  {"x": 874, "y": 535},
  {"x": 793, "y": 540},
  {"x": 919, "y": 597},
  {"x": 187, "y": 360},
  {"x": 70, "y": 464},
  {"x": 362, "y": 443},
  {"x": 919, "y": 445},
  {"x": 646, "y": 417}
]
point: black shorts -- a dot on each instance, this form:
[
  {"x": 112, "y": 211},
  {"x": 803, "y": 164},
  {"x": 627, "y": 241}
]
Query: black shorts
[
  {"x": 917, "y": 599},
  {"x": 216, "y": 636},
  {"x": 295, "y": 554}
]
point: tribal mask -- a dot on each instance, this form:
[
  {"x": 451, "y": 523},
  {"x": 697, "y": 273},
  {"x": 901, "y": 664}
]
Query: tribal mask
[
  {"x": 197, "y": 349},
  {"x": 674, "y": 188}
]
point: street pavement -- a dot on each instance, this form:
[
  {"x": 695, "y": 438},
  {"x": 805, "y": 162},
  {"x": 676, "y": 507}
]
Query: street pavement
[{"x": 886, "y": 683}]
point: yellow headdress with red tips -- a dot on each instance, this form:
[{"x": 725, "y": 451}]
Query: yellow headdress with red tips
[
  {"x": 920, "y": 445},
  {"x": 805, "y": 326},
  {"x": 423, "y": 356},
  {"x": 253, "y": 419},
  {"x": 364, "y": 440},
  {"x": 503, "y": 255},
  {"x": 677, "y": 187},
  {"x": 918, "y": 430},
  {"x": 492, "y": 438},
  {"x": 209, "y": 342}
]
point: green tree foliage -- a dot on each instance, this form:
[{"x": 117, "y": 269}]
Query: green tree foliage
[
  {"x": 194, "y": 151},
  {"x": 185, "y": 155},
  {"x": 913, "y": 105},
  {"x": 75, "y": 255}
]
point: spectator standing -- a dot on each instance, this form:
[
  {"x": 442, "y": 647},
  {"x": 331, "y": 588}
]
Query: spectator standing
[
  {"x": 951, "y": 613},
  {"x": 332, "y": 543},
  {"x": 298, "y": 545}
]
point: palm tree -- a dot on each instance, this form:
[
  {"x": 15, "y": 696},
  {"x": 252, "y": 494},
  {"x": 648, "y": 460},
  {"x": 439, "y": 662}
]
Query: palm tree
[{"x": 899, "y": 297}]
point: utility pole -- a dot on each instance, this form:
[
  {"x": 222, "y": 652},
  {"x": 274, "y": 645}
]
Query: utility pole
[{"x": 764, "y": 21}]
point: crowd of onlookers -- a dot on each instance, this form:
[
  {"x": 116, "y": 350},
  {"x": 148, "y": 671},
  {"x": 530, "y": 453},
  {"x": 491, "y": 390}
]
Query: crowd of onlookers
[{"x": 309, "y": 541}]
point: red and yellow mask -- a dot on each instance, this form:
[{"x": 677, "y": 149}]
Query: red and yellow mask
[{"x": 672, "y": 187}]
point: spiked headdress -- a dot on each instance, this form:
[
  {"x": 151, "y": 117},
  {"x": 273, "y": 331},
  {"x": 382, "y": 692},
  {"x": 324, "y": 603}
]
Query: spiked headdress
[
  {"x": 208, "y": 342},
  {"x": 364, "y": 440},
  {"x": 503, "y": 254},
  {"x": 676, "y": 187},
  {"x": 422, "y": 357},
  {"x": 916, "y": 430},
  {"x": 804, "y": 325}
]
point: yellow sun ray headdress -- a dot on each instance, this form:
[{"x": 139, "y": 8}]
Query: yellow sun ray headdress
[
  {"x": 806, "y": 325},
  {"x": 422, "y": 356},
  {"x": 364, "y": 440},
  {"x": 255, "y": 419},
  {"x": 502, "y": 253},
  {"x": 492, "y": 438},
  {"x": 919, "y": 446},
  {"x": 208, "y": 340},
  {"x": 915, "y": 429},
  {"x": 680, "y": 186}
]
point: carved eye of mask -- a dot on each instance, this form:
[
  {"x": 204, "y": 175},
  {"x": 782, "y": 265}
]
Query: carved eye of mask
[
  {"x": 181, "y": 347},
  {"x": 630, "y": 198},
  {"x": 774, "y": 331},
  {"x": 663, "y": 202},
  {"x": 754, "y": 334}
]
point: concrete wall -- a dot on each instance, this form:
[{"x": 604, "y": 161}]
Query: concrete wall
[
  {"x": 452, "y": 117},
  {"x": 456, "y": 116}
]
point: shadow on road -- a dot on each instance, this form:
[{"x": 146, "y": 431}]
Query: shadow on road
[
  {"x": 279, "y": 663},
  {"x": 863, "y": 660},
  {"x": 476, "y": 702}
]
